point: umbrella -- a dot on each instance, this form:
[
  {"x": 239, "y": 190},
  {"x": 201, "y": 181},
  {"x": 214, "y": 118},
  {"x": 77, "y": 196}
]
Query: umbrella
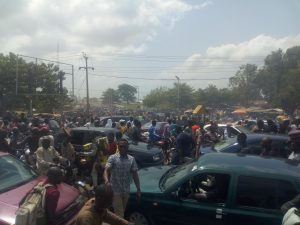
[{"x": 200, "y": 109}]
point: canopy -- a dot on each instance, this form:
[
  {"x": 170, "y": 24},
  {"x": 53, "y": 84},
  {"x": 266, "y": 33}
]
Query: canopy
[
  {"x": 240, "y": 111},
  {"x": 200, "y": 109},
  {"x": 188, "y": 111}
]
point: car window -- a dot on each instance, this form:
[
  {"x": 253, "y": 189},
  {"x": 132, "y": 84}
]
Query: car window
[
  {"x": 263, "y": 192},
  {"x": 206, "y": 187},
  {"x": 176, "y": 173},
  {"x": 224, "y": 144},
  {"x": 13, "y": 173}
]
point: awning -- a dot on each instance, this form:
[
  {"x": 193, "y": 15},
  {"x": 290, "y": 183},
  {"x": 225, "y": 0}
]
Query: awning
[
  {"x": 240, "y": 111},
  {"x": 188, "y": 111},
  {"x": 200, "y": 109}
]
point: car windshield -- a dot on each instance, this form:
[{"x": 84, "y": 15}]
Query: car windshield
[
  {"x": 174, "y": 174},
  {"x": 224, "y": 144},
  {"x": 13, "y": 173}
]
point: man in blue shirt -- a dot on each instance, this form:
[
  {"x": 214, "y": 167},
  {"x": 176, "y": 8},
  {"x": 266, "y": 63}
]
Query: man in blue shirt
[{"x": 153, "y": 136}]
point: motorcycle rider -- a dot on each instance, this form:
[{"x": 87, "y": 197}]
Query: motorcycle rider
[{"x": 46, "y": 156}]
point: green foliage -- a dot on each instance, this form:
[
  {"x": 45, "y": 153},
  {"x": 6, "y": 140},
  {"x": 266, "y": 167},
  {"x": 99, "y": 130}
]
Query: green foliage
[
  {"x": 37, "y": 81},
  {"x": 127, "y": 92},
  {"x": 242, "y": 83},
  {"x": 110, "y": 96}
]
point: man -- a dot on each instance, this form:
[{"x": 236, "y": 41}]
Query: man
[
  {"x": 153, "y": 137},
  {"x": 95, "y": 211},
  {"x": 32, "y": 140},
  {"x": 185, "y": 145},
  {"x": 45, "y": 134},
  {"x": 118, "y": 170},
  {"x": 46, "y": 156},
  {"x": 52, "y": 195}
]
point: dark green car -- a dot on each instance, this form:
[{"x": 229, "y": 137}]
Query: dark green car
[{"x": 219, "y": 188}]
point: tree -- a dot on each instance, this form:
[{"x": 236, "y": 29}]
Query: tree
[
  {"x": 243, "y": 84},
  {"x": 110, "y": 96},
  {"x": 290, "y": 95},
  {"x": 39, "y": 82},
  {"x": 127, "y": 92}
]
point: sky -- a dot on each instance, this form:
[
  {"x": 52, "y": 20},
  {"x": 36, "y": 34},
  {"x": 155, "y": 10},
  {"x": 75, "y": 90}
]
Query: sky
[{"x": 147, "y": 43}]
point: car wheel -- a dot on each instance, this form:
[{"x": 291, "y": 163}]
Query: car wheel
[{"x": 139, "y": 218}]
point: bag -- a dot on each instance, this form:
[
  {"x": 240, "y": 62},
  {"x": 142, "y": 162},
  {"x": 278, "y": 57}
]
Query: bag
[
  {"x": 32, "y": 208},
  {"x": 291, "y": 217}
]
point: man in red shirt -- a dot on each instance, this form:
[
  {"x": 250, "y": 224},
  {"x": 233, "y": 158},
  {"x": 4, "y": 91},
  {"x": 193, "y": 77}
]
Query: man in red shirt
[{"x": 55, "y": 177}]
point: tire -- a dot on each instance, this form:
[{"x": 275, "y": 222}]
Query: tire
[{"x": 139, "y": 218}]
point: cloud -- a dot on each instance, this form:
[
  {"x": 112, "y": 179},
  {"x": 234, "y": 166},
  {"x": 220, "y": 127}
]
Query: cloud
[
  {"x": 95, "y": 26},
  {"x": 223, "y": 61}
]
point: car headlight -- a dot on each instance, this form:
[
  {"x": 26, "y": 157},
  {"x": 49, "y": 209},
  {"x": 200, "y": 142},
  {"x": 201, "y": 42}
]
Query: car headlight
[{"x": 156, "y": 157}]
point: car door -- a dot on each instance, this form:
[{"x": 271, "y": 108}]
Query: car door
[
  {"x": 185, "y": 209},
  {"x": 257, "y": 200}
]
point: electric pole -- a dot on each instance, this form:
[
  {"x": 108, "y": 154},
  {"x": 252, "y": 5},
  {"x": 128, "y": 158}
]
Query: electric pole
[{"x": 87, "y": 83}]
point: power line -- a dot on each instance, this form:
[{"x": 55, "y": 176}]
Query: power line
[{"x": 160, "y": 79}]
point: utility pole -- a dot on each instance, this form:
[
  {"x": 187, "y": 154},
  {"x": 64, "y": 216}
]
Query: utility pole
[
  {"x": 87, "y": 83},
  {"x": 178, "y": 79}
]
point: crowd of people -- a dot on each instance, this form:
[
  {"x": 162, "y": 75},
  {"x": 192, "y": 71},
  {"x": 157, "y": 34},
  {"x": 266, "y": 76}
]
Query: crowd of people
[{"x": 112, "y": 167}]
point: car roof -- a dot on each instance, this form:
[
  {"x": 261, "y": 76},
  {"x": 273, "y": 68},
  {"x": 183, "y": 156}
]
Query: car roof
[
  {"x": 249, "y": 164},
  {"x": 259, "y": 136},
  {"x": 100, "y": 129}
]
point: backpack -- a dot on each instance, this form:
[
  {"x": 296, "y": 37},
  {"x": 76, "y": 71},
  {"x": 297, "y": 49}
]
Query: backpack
[{"x": 32, "y": 209}]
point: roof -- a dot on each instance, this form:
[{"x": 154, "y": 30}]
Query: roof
[
  {"x": 250, "y": 164},
  {"x": 100, "y": 129},
  {"x": 255, "y": 136}
]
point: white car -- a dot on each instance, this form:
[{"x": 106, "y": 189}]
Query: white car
[{"x": 223, "y": 128}]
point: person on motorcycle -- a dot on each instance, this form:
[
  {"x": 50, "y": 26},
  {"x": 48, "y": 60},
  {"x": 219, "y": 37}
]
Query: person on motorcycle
[
  {"x": 45, "y": 134},
  {"x": 46, "y": 157},
  {"x": 153, "y": 136}
]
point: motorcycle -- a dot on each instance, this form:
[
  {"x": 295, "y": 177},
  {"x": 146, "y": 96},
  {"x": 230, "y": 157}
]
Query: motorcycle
[
  {"x": 168, "y": 146},
  {"x": 70, "y": 173}
]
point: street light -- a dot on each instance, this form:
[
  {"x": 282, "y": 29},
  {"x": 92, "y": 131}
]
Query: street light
[{"x": 178, "y": 79}]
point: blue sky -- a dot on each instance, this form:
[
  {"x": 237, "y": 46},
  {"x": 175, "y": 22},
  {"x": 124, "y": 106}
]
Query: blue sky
[{"x": 131, "y": 40}]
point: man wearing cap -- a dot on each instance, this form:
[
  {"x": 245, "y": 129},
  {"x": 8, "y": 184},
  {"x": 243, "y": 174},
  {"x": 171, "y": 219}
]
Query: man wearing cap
[{"x": 295, "y": 144}]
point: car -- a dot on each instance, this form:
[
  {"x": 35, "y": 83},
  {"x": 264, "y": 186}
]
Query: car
[
  {"x": 230, "y": 145},
  {"x": 143, "y": 154},
  {"x": 17, "y": 179},
  {"x": 103, "y": 120},
  {"x": 230, "y": 129},
  {"x": 159, "y": 128},
  {"x": 251, "y": 190}
]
